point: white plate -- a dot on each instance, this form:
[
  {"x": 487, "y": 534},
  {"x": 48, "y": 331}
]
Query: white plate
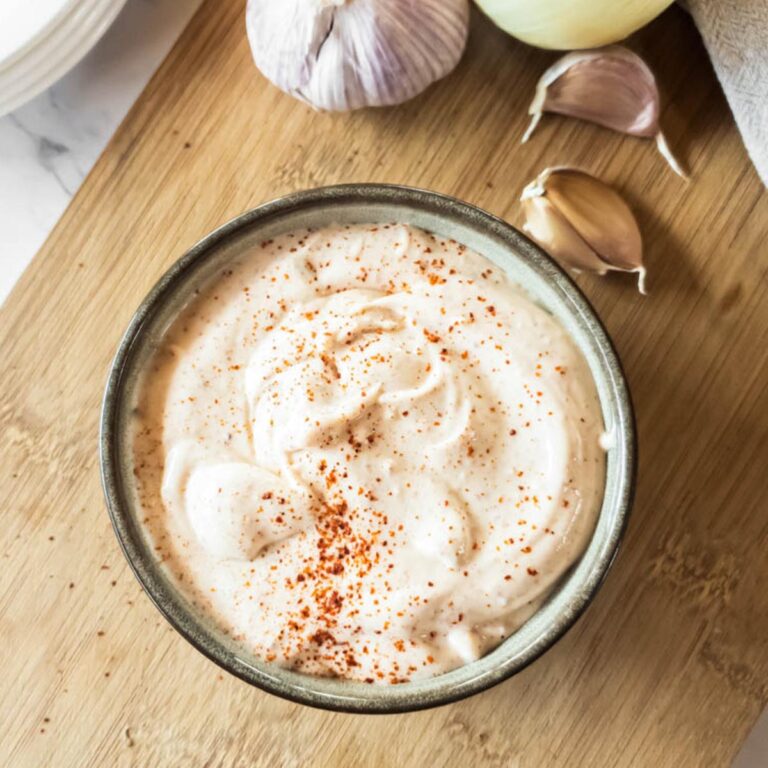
[
  {"x": 54, "y": 50},
  {"x": 22, "y": 23}
]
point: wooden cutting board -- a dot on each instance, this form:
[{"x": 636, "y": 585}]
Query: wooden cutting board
[{"x": 669, "y": 667}]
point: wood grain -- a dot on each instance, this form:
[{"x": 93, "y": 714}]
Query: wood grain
[{"x": 669, "y": 667}]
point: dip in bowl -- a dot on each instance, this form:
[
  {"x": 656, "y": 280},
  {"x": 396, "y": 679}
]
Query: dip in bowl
[{"x": 368, "y": 448}]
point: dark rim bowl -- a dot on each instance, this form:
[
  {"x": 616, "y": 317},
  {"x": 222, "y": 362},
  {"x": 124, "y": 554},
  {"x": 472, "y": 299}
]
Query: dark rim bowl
[{"x": 528, "y": 266}]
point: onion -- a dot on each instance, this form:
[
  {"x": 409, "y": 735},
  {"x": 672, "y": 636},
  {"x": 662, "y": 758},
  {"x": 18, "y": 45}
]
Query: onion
[{"x": 569, "y": 24}]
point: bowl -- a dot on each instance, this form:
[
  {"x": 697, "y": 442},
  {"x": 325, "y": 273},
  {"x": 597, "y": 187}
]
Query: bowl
[{"x": 534, "y": 272}]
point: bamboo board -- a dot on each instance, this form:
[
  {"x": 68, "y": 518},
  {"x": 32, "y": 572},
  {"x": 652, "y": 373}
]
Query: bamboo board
[{"x": 669, "y": 667}]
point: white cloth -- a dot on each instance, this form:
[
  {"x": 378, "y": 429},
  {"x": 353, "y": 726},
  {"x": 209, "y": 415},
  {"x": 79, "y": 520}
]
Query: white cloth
[{"x": 736, "y": 35}]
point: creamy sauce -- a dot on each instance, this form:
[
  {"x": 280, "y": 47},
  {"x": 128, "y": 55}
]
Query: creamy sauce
[{"x": 364, "y": 453}]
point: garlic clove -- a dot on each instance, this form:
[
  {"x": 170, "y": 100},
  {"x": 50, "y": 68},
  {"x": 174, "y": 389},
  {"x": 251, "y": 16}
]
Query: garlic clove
[
  {"x": 340, "y": 55},
  {"x": 583, "y": 223},
  {"x": 612, "y": 87},
  {"x": 599, "y": 214},
  {"x": 553, "y": 232}
]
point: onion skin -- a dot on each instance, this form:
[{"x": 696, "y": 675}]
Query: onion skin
[{"x": 572, "y": 24}]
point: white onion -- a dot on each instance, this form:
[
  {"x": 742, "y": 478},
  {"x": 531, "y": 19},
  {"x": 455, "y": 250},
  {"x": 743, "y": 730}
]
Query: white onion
[{"x": 568, "y": 24}]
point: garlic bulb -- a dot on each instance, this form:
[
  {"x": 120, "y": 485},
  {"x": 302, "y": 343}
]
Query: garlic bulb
[
  {"x": 568, "y": 24},
  {"x": 611, "y": 86},
  {"x": 340, "y": 55},
  {"x": 583, "y": 223}
]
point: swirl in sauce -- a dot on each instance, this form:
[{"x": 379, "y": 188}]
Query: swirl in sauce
[{"x": 365, "y": 453}]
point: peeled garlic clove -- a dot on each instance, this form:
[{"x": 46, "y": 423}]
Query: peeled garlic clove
[
  {"x": 583, "y": 223},
  {"x": 612, "y": 87},
  {"x": 340, "y": 55}
]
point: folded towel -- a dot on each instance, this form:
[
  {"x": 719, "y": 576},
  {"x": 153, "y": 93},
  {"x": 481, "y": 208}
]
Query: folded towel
[{"x": 736, "y": 35}]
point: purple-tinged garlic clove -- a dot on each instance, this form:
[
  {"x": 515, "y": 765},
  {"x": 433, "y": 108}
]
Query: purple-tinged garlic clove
[{"x": 612, "y": 87}]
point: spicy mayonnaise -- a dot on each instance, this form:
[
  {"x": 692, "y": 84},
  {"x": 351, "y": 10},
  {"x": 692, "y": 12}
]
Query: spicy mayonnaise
[{"x": 365, "y": 453}]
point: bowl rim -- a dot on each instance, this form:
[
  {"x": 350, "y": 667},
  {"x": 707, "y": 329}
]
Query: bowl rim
[{"x": 169, "y": 602}]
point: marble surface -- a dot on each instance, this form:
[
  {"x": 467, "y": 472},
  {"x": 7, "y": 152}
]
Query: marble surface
[{"x": 48, "y": 146}]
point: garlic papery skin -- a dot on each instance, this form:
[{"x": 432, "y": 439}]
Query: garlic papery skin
[
  {"x": 569, "y": 24},
  {"x": 612, "y": 87},
  {"x": 583, "y": 223},
  {"x": 339, "y": 55},
  {"x": 551, "y": 230}
]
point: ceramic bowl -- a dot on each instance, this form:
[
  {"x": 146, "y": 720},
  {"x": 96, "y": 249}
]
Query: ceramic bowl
[{"x": 529, "y": 267}]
